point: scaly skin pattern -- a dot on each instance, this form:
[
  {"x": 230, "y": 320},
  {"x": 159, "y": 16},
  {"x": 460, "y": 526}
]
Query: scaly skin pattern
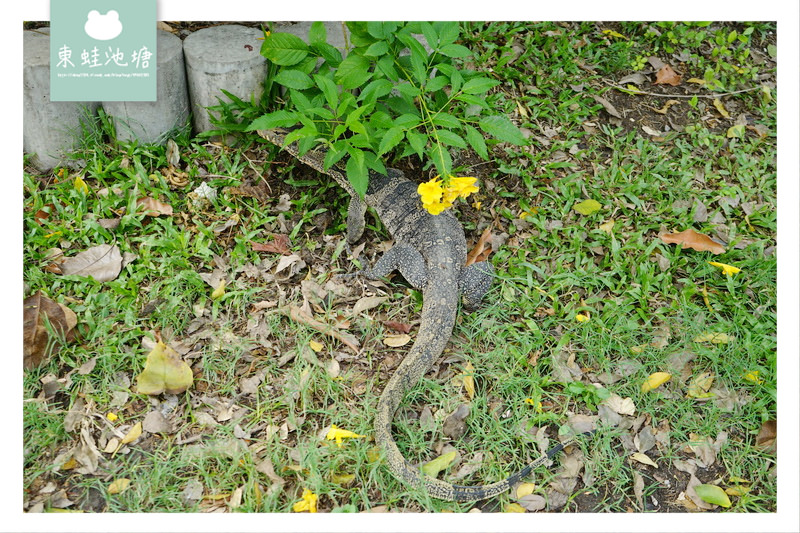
[{"x": 430, "y": 252}]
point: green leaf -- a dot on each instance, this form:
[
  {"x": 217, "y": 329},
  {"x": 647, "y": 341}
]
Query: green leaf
[
  {"x": 502, "y": 128},
  {"x": 375, "y": 89},
  {"x": 375, "y": 29},
  {"x": 436, "y": 84},
  {"x": 328, "y": 88},
  {"x": 430, "y": 34},
  {"x": 284, "y": 49},
  {"x": 353, "y": 71},
  {"x": 329, "y": 53},
  {"x": 712, "y": 494},
  {"x": 446, "y": 120},
  {"x": 386, "y": 67},
  {"x": 432, "y": 468},
  {"x": 587, "y": 207},
  {"x": 479, "y": 85},
  {"x": 407, "y": 89},
  {"x": 300, "y": 101},
  {"x": 472, "y": 100},
  {"x": 476, "y": 141},
  {"x": 377, "y": 49},
  {"x": 357, "y": 171},
  {"x": 335, "y": 152},
  {"x": 317, "y": 33},
  {"x": 417, "y": 141},
  {"x": 448, "y": 31},
  {"x": 390, "y": 140},
  {"x": 441, "y": 159},
  {"x": 374, "y": 162},
  {"x": 455, "y": 50},
  {"x": 294, "y": 79},
  {"x": 322, "y": 112},
  {"x": 407, "y": 121},
  {"x": 381, "y": 120},
  {"x": 448, "y": 137},
  {"x": 276, "y": 119}
]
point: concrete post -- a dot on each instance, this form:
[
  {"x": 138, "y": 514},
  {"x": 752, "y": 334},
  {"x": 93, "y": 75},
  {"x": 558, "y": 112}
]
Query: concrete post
[
  {"x": 49, "y": 129},
  {"x": 154, "y": 122},
  {"x": 222, "y": 57}
]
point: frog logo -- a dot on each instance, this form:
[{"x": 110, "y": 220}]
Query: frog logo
[{"x": 102, "y": 27}]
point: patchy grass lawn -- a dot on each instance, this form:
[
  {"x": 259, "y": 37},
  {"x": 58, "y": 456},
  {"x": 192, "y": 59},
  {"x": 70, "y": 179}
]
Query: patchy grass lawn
[{"x": 588, "y": 303}]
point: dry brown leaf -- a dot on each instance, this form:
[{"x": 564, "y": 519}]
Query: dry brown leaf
[
  {"x": 666, "y": 75},
  {"x": 691, "y": 239},
  {"x": 478, "y": 253},
  {"x": 36, "y": 341},
  {"x": 607, "y": 105},
  {"x": 395, "y": 341},
  {"x": 280, "y": 244},
  {"x": 400, "y": 327},
  {"x": 767, "y": 436},
  {"x": 368, "y": 302},
  {"x": 153, "y": 207},
  {"x": 102, "y": 262},
  {"x": 296, "y": 314}
]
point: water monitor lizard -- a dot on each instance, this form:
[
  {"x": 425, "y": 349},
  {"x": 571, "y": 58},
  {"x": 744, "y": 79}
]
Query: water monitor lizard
[{"x": 430, "y": 252}]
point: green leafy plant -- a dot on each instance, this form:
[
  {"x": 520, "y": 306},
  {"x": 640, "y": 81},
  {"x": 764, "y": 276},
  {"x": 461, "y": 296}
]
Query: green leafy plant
[{"x": 389, "y": 96}]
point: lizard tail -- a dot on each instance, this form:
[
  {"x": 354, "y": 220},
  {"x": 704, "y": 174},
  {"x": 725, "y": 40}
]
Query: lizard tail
[{"x": 431, "y": 340}]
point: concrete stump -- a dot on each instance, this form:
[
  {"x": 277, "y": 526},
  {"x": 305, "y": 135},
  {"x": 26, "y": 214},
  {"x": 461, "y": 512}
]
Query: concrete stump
[
  {"x": 153, "y": 122},
  {"x": 222, "y": 57},
  {"x": 49, "y": 129}
]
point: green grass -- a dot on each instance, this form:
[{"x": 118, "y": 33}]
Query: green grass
[{"x": 554, "y": 264}]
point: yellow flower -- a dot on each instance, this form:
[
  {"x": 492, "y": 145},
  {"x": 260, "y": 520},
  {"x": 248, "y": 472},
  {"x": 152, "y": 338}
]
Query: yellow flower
[
  {"x": 536, "y": 405},
  {"x": 436, "y": 198},
  {"x": 112, "y": 416},
  {"x": 435, "y": 209},
  {"x": 728, "y": 270},
  {"x": 339, "y": 434},
  {"x": 582, "y": 317},
  {"x": 464, "y": 186},
  {"x": 430, "y": 191},
  {"x": 308, "y": 503}
]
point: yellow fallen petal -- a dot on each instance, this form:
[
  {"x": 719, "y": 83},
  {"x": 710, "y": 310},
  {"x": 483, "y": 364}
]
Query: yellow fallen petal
[
  {"x": 525, "y": 489},
  {"x": 514, "y": 508},
  {"x": 752, "y": 376},
  {"x": 119, "y": 485},
  {"x": 111, "y": 417},
  {"x": 655, "y": 380},
  {"x": 337, "y": 434},
  {"x": 728, "y": 270},
  {"x": 307, "y": 503},
  {"x": 316, "y": 346},
  {"x": 219, "y": 291}
]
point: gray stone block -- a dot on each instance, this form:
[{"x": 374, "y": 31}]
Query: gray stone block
[
  {"x": 222, "y": 57},
  {"x": 153, "y": 122},
  {"x": 49, "y": 129}
]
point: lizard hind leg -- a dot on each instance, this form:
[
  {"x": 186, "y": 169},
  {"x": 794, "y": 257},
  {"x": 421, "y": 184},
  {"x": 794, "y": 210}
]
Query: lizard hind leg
[
  {"x": 406, "y": 260},
  {"x": 474, "y": 283}
]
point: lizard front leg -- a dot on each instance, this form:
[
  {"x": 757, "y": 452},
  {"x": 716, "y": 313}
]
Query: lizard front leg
[
  {"x": 402, "y": 258},
  {"x": 474, "y": 282}
]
